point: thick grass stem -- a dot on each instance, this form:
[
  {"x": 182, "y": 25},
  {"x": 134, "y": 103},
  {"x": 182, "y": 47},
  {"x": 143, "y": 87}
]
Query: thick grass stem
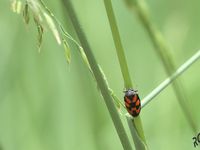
[{"x": 98, "y": 76}]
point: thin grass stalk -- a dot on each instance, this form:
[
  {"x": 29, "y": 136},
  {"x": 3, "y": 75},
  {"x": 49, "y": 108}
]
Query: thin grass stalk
[
  {"x": 98, "y": 76},
  {"x": 136, "y": 122},
  {"x": 170, "y": 79}
]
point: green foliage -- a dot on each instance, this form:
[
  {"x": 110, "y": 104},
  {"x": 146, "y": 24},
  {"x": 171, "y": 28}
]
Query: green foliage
[
  {"x": 45, "y": 106},
  {"x": 44, "y": 17}
]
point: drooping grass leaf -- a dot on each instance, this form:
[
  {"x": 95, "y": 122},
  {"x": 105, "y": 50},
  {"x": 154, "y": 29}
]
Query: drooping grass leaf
[
  {"x": 40, "y": 33},
  {"x": 67, "y": 51},
  {"x": 26, "y": 14}
]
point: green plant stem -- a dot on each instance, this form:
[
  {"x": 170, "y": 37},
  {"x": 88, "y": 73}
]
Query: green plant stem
[
  {"x": 139, "y": 144},
  {"x": 170, "y": 79},
  {"x": 136, "y": 122},
  {"x": 98, "y": 76},
  {"x": 163, "y": 51},
  {"x": 118, "y": 45}
]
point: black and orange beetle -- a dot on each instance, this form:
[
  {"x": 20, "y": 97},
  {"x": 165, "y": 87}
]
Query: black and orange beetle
[{"x": 132, "y": 102}]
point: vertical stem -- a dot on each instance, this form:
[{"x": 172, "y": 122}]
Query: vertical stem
[
  {"x": 139, "y": 144},
  {"x": 163, "y": 51},
  {"x": 118, "y": 44},
  {"x": 98, "y": 76},
  {"x": 136, "y": 122}
]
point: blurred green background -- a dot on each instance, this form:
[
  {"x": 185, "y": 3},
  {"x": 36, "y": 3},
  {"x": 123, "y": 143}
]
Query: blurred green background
[{"x": 46, "y": 104}]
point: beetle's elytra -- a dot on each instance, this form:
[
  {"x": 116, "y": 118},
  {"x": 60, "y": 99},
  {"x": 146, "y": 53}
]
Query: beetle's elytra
[{"x": 132, "y": 102}]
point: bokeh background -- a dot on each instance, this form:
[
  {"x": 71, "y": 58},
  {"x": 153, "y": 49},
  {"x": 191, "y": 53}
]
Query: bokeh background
[{"x": 46, "y": 104}]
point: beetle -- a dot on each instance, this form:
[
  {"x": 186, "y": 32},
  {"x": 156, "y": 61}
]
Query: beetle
[{"x": 132, "y": 102}]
